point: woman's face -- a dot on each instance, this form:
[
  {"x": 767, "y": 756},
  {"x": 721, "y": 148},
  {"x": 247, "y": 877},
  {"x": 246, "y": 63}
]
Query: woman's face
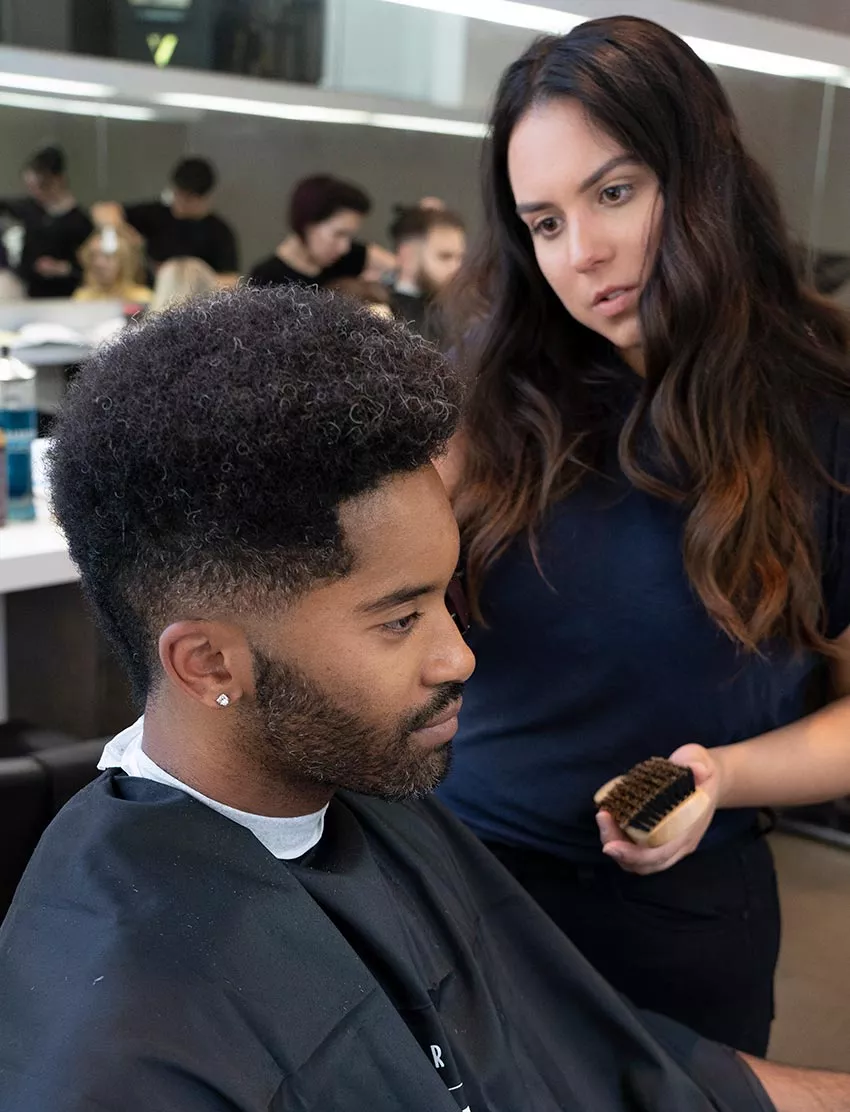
[
  {"x": 594, "y": 214},
  {"x": 104, "y": 268},
  {"x": 329, "y": 241}
]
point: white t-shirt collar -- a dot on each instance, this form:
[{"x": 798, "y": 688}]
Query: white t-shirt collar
[{"x": 284, "y": 838}]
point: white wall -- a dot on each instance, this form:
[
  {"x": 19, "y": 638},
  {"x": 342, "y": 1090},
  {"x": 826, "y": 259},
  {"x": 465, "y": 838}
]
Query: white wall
[
  {"x": 395, "y": 51},
  {"x": 835, "y": 234},
  {"x": 832, "y": 15},
  {"x": 780, "y": 121}
]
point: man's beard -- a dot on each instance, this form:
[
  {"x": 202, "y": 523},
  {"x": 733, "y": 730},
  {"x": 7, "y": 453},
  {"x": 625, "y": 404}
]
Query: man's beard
[
  {"x": 294, "y": 731},
  {"x": 428, "y": 288}
]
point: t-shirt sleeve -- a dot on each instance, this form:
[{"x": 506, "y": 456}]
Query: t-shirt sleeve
[
  {"x": 225, "y": 252},
  {"x": 19, "y": 208},
  {"x": 81, "y": 228},
  {"x": 262, "y": 274},
  {"x": 351, "y": 265},
  {"x": 143, "y": 217},
  {"x": 836, "y": 552},
  {"x": 78, "y": 232},
  {"x": 723, "y": 1076}
]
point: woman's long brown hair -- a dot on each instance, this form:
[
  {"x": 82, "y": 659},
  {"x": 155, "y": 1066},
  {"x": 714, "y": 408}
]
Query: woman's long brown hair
[{"x": 741, "y": 360}]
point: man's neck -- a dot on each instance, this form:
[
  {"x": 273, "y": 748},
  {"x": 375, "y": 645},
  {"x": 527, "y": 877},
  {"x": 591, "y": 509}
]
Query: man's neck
[
  {"x": 61, "y": 203},
  {"x": 293, "y": 252},
  {"x": 195, "y": 749},
  {"x": 198, "y": 214}
]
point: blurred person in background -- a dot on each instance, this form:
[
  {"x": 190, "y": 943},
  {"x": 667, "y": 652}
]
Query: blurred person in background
[
  {"x": 430, "y": 245},
  {"x": 182, "y": 224},
  {"x": 53, "y": 224},
  {"x": 651, "y": 490},
  {"x": 11, "y": 287},
  {"x": 179, "y": 280},
  {"x": 374, "y": 295},
  {"x": 112, "y": 268},
  {"x": 325, "y": 216}
]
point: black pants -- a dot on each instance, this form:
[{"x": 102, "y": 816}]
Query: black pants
[{"x": 698, "y": 943}]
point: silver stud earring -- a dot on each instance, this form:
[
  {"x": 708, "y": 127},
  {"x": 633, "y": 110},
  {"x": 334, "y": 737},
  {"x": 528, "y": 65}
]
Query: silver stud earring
[{"x": 223, "y": 700}]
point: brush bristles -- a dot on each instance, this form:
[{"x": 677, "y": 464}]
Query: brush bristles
[{"x": 648, "y": 793}]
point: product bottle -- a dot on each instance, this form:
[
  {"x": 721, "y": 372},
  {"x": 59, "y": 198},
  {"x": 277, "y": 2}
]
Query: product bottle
[
  {"x": 19, "y": 422},
  {"x": 3, "y": 484}
]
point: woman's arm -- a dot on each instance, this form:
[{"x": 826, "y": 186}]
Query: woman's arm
[
  {"x": 806, "y": 762},
  {"x": 800, "y": 1090},
  {"x": 379, "y": 262}
]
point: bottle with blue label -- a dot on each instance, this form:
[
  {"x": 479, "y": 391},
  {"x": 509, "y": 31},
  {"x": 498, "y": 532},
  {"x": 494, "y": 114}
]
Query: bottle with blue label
[{"x": 19, "y": 422}]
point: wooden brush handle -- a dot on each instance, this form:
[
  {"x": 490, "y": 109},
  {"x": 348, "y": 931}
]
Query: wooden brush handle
[{"x": 672, "y": 826}]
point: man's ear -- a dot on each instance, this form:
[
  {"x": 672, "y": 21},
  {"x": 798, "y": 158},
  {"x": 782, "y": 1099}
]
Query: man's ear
[{"x": 208, "y": 661}]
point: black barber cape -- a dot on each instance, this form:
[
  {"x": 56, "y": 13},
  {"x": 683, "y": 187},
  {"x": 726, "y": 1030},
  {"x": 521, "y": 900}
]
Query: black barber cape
[{"x": 157, "y": 958}]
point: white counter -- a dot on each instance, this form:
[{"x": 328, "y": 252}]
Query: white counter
[{"x": 33, "y": 554}]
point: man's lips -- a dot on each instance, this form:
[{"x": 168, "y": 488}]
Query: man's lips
[
  {"x": 440, "y": 730},
  {"x": 447, "y": 715}
]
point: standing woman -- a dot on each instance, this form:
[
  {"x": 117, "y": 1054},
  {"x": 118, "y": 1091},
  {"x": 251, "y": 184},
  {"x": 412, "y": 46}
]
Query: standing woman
[{"x": 657, "y": 545}]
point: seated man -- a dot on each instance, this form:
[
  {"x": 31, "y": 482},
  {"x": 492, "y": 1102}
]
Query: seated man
[
  {"x": 430, "y": 245},
  {"x": 257, "y": 907}
]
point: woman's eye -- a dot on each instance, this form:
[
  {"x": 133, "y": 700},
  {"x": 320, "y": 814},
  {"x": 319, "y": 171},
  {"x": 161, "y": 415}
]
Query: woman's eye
[
  {"x": 548, "y": 226},
  {"x": 402, "y": 625},
  {"x": 615, "y": 194}
]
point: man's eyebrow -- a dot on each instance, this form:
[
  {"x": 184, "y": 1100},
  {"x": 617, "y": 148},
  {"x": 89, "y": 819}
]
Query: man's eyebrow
[
  {"x": 530, "y": 207},
  {"x": 399, "y": 598}
]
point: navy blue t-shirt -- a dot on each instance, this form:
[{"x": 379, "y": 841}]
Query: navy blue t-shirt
[{"x": 612, "y": 659}]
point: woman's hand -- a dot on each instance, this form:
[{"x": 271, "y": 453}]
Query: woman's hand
[
  {"x": 107, "y": 214},
  {"x": 48, "y": 267},
  {"x": 643, "y": 861}
]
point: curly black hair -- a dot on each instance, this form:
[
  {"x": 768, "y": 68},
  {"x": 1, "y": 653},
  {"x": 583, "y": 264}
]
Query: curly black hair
[{"x": 200, "y": 460}]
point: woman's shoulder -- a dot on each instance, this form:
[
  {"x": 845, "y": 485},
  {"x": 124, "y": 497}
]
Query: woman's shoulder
[
  {"x": 264, "y": 265},
  {"x": 139, "y": 293}
]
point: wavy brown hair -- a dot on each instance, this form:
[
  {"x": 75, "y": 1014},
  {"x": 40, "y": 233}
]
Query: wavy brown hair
[{"x": 740, "y": 358}]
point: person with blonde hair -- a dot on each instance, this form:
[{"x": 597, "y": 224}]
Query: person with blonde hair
[
  {"x": 373, "y": 295},
  {"x": 181, "y": 279},
  {"x": 112, "y": 267}
]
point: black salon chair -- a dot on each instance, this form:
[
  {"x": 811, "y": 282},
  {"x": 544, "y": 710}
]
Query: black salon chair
[
  {"x": 69, "y": 768},
  {"x": 24, "y": 813},
  {"x": 33, "y": 789}
]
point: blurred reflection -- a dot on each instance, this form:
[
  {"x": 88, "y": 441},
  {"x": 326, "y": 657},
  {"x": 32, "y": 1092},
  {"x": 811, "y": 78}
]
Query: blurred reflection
[
  {"x": 51, "y": 224},
  {"x": 179, "y": 280},
  {"x": 279, "y": 39},
  {"x": 112, "y": 269}
]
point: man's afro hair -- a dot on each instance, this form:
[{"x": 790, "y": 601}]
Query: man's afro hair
[{"x": 202, "y": 457}]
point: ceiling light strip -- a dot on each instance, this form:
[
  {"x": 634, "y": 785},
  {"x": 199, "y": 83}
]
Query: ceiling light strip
[
  {"x": 317, "y": 113},
  {"x": 531, "y": 17},
  {"x": 77, "y": 107},
  {"x": 536, "y": 17},
  {"x": 56, "y": 85}
]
